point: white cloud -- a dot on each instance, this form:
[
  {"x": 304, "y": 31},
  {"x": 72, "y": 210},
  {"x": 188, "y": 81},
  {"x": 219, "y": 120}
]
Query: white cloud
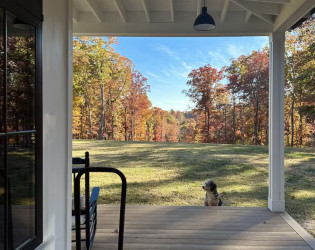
[
  {"x": 158, "y": 78},
  {"x": 187, "y": 66},
  {"x": 235, "y": 50},
  {"x": 166, "y": 50},
  {"x": 152, "y": 74},
  {"x": 179, "y": 71},
  {"x": 218, "y": 59}
]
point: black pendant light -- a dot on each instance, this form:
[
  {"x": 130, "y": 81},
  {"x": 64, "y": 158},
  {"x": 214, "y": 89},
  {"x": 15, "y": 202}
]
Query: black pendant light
[
  {"x": 204, "y": 22},
  {"x": 18, "y": 24}
]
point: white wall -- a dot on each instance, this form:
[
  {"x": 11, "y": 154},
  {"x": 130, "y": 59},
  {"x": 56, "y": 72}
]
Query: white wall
[{"x": 57, "y": 101}]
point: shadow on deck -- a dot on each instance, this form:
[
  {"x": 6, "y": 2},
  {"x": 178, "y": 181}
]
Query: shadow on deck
[{"x": 194, "y": 227}]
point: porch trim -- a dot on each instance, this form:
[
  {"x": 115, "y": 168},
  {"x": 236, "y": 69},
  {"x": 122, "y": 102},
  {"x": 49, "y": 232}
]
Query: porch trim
[
  {"x": 309, "y": 239},
  {"x": 69, "y": 94}
]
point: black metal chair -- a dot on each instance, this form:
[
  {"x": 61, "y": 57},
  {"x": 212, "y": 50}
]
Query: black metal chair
[
  {"x": 122, "y": 203},
  {"x": 88, "y": 210},
  {"x": 88, "y": 216}
]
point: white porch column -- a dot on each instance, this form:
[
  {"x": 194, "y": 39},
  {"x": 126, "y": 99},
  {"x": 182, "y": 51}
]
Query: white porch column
[{"x": 276, "y": 122}]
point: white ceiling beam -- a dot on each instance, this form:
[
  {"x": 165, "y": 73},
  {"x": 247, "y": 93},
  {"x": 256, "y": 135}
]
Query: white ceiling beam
[
  {"x": 291, "y": 13},
  {"x": 265, "y": 8},
  {"x": 146, "y": 10},
  {"x": 75, "y": 15},
  {"x": 242, "y": 4},
  {"x": 121, "y": 10},
  {"x": 248, "y": 16},
  {"x": 94, "y": 9},
  {"x": 272, "y": 1},
  {"x": 224, "y": 10},
  {"x": 172, "y": 11},
  {"x": 198, "y": 7}
]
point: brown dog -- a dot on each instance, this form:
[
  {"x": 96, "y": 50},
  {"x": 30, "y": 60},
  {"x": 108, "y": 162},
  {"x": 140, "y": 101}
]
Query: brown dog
[{"x": 212, "y": 197}]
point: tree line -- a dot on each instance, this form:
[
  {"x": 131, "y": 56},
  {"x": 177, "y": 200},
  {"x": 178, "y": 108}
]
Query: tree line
[{"x": 231, "y": 105}]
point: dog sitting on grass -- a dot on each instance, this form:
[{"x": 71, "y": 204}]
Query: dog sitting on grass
[{"x": 212, "y": 197}]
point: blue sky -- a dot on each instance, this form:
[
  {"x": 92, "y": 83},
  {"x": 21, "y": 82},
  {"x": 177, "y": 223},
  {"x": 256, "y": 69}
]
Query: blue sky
[{"x": 166, "y": 62}]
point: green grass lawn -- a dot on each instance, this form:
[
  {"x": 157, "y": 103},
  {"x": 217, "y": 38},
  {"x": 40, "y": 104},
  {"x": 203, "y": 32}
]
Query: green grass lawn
[{"x": 173, "y": 174}]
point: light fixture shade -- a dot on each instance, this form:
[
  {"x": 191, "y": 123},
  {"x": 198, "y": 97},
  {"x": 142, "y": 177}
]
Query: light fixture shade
[
  {"x": 18, "y": 24},
  {"x": 204, "y": 22}
]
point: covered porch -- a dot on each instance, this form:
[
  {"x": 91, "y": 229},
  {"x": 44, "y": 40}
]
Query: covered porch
[{"x": 189, "y": 227}]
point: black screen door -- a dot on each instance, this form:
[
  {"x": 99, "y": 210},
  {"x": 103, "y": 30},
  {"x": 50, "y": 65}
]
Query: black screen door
[{"x": 20, "y": 130}]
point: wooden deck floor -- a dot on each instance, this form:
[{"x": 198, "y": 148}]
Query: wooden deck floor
[{"x": 188, "y": 227}]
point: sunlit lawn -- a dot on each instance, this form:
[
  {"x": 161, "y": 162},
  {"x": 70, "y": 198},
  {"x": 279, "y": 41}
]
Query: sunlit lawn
[{"x": 173, "y": 173}]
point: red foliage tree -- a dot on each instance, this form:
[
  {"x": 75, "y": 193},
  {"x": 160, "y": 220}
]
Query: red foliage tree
[{"x": 201, "y": 84}]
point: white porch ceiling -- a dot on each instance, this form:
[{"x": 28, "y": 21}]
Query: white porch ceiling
[{"x": 176, "y": 17}]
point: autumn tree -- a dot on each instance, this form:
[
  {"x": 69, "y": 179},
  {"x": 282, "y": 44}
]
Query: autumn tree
[
  {"x": 300, "y": 61},
  {"x": 189, "y": 131},
  {"x": 136, "y": 105},
  {"x": 252, "y": 84},
  {"x": 82, "y": 88},
  {"x": 172, "y": 129},
  {"x": 201, "y": 84},
  {"x": 222, "y": 105},
  {"x": 120, "y": 78}
]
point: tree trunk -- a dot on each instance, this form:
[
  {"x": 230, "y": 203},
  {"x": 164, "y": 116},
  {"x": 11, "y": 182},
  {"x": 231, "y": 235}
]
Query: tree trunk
[
  {"x": 266, "y": 127},
  {"x": 260, "y": 131},
  {"x": 293, "y": 99},
  {"x": 225, "y": 124},
  {"x": 102, "y": 118},
  {"x": 90, "y": 120},
  {"x": 241, "y": 124},
  {"x": 162, "y": 128},
  {"x": 234, "y": 121},
  {"x": 111, "y": 104},
  {"x": 301, "y": 129},
  {"x": 113, "y": 120},
  {"x": 147, "y": 135},
  {"x": 256, "y": 122},
  {"x": 292, "y": 119},
  {"x": 205, "y": 127},
  {"x": 126, "y": 136},
  {"x": 132, "y": 125},
  {"x": 208, "y": 126},
  {"x": 81, "y": 122},
  {"x": 301, "y": 118}
]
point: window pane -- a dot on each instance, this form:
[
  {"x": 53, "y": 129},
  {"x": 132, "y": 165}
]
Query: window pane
[
  {"x": 21, "y": 174},
  {"x": 2, "y": 58},
  {"x": 2, "y": 192},
  {"x": 1, "y": 130},
  {"x": 21, "y": 75}
]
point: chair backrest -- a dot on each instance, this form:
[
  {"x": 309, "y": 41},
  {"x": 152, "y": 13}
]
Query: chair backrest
[
  {"x": 81, "y": 161},
  {"x": 86, "y": 162}
]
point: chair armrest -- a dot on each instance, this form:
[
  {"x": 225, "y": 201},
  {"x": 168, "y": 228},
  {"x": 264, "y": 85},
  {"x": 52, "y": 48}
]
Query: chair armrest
[
  {"x": 94, "y": 195},
  {"x": 76, "y": 160}
]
